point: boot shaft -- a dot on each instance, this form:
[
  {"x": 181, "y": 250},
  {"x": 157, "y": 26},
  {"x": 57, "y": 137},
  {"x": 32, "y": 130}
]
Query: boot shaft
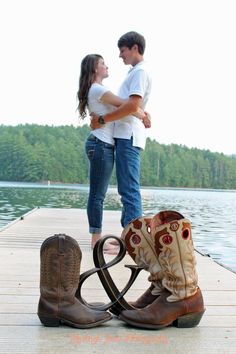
[
  {"x": 60, "y": 267},
  {"x": 140, "y": 246},
  {"x": 175, "y": 251}
]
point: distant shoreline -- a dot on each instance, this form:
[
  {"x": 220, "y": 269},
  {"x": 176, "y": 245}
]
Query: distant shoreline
[{"x": 55, "y": 184}]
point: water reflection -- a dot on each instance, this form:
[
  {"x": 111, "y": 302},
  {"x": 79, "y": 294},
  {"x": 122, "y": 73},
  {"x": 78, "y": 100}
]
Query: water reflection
[{"x": 212, "y": 213}]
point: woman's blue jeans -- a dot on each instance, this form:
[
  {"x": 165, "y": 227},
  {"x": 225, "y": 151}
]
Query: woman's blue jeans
[
  {"x": 128, "y": 179},
  {"x": 101, "y": 157}
]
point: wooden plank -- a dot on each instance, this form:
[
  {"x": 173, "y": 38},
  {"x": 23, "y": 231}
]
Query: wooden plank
[
  {"x": 29, "y": 319},
  {"x": 117, "y": 338}
]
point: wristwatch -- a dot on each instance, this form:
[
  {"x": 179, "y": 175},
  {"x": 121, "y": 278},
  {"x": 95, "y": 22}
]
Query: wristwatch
[{"x": 101, "y": 120}]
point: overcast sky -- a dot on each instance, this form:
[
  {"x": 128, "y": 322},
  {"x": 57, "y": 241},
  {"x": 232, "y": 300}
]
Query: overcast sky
[{"x": 191, "y": 50}]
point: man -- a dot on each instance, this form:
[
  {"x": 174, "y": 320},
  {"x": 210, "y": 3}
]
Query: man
[{"x": 129, "y": 132}]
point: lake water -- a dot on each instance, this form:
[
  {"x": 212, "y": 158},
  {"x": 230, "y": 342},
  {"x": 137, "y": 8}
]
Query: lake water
[{"x": 211, "y": 212}]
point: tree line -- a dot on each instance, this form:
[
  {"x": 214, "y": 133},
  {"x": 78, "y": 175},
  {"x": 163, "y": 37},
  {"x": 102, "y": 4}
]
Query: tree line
[{"x": 36, "y": 153}]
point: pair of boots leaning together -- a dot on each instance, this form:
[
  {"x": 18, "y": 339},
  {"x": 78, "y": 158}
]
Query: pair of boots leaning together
[{"x": 161, "y": 244}]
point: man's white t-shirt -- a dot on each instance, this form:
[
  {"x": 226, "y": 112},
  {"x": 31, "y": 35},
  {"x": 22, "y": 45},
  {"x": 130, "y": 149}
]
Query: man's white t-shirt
[
  {"x": 137, "y": 82},
  {"x": 106, "y": 132}
]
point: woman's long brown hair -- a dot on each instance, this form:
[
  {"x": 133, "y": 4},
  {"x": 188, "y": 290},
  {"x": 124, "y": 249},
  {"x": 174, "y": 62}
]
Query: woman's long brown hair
[{"x": 87, "y": 76}]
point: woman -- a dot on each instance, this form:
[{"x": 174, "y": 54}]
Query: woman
[{"x": 95, "y": 97}]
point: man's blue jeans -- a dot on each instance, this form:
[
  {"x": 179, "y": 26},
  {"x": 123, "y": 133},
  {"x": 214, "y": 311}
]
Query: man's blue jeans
[
  {"x": 101, "y": 157},
  {"x": 128, "y": 179}
]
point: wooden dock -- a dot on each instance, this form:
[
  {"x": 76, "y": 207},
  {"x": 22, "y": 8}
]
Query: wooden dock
[{"x": 22, "y": 332}]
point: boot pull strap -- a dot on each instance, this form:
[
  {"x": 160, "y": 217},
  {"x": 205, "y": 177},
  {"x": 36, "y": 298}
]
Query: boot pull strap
[{"x": 61, "y": 244}]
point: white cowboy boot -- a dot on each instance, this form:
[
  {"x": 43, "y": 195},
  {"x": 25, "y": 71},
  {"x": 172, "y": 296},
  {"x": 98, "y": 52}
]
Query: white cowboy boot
[{"x": 181, "y": 302}]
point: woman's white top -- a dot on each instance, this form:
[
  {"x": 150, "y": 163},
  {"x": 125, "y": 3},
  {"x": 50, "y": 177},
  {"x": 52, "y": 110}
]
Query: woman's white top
[{"x": 106, "y": 132}]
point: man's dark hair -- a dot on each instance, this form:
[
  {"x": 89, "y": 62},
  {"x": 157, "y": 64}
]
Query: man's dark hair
[{"x": 129, "y": 39}]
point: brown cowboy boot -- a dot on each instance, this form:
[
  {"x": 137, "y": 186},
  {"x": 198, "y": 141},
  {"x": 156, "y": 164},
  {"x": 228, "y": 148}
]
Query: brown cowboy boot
[
  {"x": 141, "y": 248},
  {"x": 181, "y": 304},
  {"x": 59, "y": 277},
  {"x": 145, "y": 299}
]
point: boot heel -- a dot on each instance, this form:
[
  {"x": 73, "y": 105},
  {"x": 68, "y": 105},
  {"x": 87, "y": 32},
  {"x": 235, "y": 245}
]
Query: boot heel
[
  {"x": 49, "y": 321},
  {"x": 189, "y": 320}
]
